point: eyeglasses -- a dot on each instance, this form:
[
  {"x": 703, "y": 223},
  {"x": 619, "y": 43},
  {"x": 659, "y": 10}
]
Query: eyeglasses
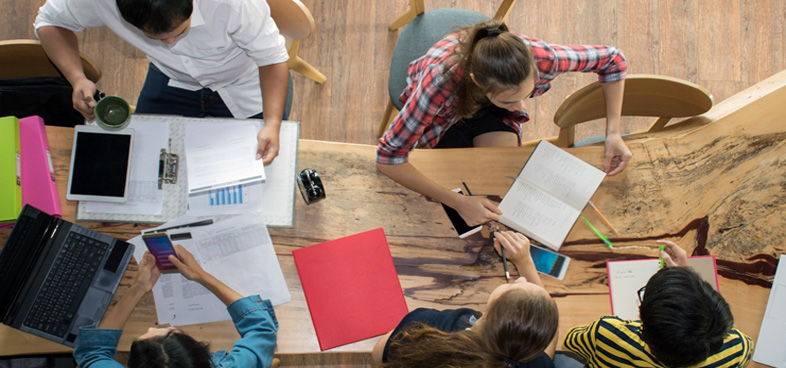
[{"x": 640, "y": 294}]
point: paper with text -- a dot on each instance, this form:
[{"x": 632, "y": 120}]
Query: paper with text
[
  {"x": 218, "y": 157},
  {"x": 627, "y": 277},
  {"x": 549, "y": 194},
  {"x": 238, "y": 251}
]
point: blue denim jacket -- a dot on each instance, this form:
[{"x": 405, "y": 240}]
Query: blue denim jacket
[{"x": 255, "y": 321}]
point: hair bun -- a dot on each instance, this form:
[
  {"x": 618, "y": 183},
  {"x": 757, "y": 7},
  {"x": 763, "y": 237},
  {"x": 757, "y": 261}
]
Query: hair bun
[{"x": 489, "y": 32}]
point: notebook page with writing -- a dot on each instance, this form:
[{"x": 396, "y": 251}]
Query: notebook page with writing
[
  {"x": 549, "y": 194},
  {"x": 627, "y": 277}
]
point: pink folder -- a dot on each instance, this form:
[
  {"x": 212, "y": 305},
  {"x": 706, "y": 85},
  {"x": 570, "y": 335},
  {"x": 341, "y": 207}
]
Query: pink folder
[
  {"x": 351, "y": 288},
  {"x": 39, "y": 188}
]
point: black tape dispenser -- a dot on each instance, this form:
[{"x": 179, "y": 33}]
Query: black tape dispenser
[{"x": 310, "y": 185}]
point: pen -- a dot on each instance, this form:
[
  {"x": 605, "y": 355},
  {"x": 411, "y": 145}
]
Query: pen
[
  {"x": 466, "y": 187},
  {"x": 504, "y": 260},
  {"x": 603, "y": 218},
  {"x": 662, "y": 248},
  {"x": 594, "y": 230}
]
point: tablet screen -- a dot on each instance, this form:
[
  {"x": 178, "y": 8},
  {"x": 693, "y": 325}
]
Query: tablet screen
[{"x": 100, "y": 164}]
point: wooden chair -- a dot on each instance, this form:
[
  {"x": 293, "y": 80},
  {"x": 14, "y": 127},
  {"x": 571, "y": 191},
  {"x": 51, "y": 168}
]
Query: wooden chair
[
  {"x": 423, "y": 30},
  {"x": 27, "y": 59},
  {"x": 416, "y": 8},
  {"x": 276, "y": 363},
  {"x": 295, "y": 22},
  {"x": 645, "y": 95}
]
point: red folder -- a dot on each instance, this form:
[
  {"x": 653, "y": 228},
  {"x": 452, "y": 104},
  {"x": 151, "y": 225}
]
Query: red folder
[
  {"x": 39, "y": 188},
  {"x": 351, "y": 288}
]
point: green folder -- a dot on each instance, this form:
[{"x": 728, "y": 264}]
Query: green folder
[{"x": 10, "y": 170}]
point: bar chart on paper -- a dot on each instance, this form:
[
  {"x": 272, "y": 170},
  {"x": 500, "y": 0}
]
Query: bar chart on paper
[{"x": 226, "y": 196}]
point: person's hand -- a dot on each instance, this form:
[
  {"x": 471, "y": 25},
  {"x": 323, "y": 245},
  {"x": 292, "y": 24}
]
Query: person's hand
[
  {"x": 267, "y": 146},
  {"x": 617, "y": 155},
  {"x": 187, "y": 264},
  {"x": 673, "y": 255},
  {"x": 478, "y": 210},
  {"x": 82, "y": 98},
  {"x": 516, "y": 246},
  {"x": 147, "y": 274}
]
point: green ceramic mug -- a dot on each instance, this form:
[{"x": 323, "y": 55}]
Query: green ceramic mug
[{"x": 112, "y": 113}]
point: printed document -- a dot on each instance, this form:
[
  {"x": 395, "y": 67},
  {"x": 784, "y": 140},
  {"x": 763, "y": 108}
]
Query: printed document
[
  {"x": 217, "y": 157},
  {"x": 238, "y": 251}
]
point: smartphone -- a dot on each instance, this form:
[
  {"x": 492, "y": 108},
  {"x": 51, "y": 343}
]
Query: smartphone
[
  {"x": 549, "y": 262},
  {"x": 161, "y": 247},
  {"x": 459, "y": 224}
]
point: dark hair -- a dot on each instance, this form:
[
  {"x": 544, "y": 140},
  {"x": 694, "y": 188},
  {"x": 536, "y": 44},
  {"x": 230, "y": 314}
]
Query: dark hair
[
  {"x": 684, "y": 320},
  {"x": 175, "y": 350},
  {"x": 518, "y": 326},
  {"x": 498, "y": 59},
  {"x": 155, "y": 16}
]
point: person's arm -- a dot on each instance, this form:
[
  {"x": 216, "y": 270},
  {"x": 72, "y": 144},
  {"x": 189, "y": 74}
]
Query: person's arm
[
  {"x": 474, "y": 210},
  {"x": 146, "y": 277},
  {"x": 673, "y": 255},
  {"x": 379, "y": 347},
  {"x": 517, "y": 251},
  {"x": 617, "y": 153},
  {"x": 62, "y": 47},
  {"x": 190, "y": 268},
  {"x": 274, "y": 81}
]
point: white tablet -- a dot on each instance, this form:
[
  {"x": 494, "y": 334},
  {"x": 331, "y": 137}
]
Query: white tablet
[{"x": 100, "y": 164}]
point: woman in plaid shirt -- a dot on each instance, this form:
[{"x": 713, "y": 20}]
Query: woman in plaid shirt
[{"x": 469, "y": 91}]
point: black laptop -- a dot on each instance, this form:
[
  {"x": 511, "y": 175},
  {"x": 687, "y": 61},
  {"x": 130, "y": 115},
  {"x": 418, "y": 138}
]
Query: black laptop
[{"x": 56, "y": 276}]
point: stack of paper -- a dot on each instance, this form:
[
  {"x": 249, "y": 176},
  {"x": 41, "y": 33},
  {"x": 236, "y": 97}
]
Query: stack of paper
[{"x": 10, "y": 171}]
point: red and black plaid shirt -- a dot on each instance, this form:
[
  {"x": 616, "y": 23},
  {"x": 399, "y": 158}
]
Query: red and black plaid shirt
[{"x": 429, "y": 104}]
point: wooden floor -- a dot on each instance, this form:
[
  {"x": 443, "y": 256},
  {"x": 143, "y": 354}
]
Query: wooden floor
[{"x": 723, "y": 45}]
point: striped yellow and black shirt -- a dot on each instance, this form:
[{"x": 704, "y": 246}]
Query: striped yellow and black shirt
[{"x": 614, "y": 342}]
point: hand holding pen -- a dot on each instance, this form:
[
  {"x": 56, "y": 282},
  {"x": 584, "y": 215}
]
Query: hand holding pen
[
  {"x": 517, "y": 248},
  {"x": 672, "y": 254}
]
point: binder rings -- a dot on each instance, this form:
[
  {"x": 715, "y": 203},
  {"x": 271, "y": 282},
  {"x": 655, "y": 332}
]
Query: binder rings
[
  {"x": 38, "y": 177},
  {"x": 10, "y": 170},
  {"x": 279, "y": 189}
]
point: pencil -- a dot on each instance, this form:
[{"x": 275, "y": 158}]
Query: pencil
[
  {"x": 598, "y": 233},
  {"x": 603, "y": 218},
  {"x": 504, "y": 260}
]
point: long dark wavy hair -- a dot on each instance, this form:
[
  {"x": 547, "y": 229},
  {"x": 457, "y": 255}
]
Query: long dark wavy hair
[
  {"x": 497, "y": 58},
  {"x": 518, "y": 326}
]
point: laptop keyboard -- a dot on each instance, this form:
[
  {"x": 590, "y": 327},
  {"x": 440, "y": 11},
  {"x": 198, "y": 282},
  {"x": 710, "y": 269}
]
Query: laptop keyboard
[{"x": 66, "y": 285}]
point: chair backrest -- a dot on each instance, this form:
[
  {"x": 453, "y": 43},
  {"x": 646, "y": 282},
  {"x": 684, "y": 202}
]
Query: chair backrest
[
  {"x": 293, "y": 19},
  {"x": 645, "y": 95},
  {"x": 418, "y": 36},
  {"x": 26, "y": 59}
]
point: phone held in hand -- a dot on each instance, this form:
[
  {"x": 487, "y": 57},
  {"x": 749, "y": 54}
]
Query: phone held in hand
[
  {"x": 549, "y": 262},
  {"x": 161, "y": 247},
  {"x": 458, "y": 223}
]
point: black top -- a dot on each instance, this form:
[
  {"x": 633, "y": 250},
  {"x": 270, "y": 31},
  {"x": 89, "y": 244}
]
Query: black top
[{"x": 452, "y": 320}]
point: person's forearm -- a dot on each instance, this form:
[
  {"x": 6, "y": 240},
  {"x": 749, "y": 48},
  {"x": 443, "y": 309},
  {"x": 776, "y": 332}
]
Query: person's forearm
[
  {"x": 613, "y": 92},
  {"x": 62, "y": 47},
  {"x": 407, "y": 175},
  {"x": 224, "y": 293},
  {"x": 274, "y": 81},
  {"x": 116, "y": 318},
  {"x": 526, "y": 268}
]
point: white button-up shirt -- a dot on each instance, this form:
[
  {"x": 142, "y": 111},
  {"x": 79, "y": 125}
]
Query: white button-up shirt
[{"x": 227, "y": 42}]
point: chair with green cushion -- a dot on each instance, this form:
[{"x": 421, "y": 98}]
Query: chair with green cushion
[{"x": 413, "y": 42}]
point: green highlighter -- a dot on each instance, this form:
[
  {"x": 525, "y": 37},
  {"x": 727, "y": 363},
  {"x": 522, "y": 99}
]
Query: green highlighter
[{"x": 662, "y": 248}]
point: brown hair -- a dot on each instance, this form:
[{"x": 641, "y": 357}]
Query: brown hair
[
  {"x": 498, "y": 59},
  {"x": 518, "y": 326}
]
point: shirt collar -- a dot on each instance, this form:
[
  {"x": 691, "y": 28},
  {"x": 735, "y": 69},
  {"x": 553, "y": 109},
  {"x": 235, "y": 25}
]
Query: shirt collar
[{"x": 196, "y": 16}]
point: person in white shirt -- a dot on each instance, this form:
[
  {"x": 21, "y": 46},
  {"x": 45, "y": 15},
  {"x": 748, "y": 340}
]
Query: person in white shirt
[{"x": 207, "y": 57}]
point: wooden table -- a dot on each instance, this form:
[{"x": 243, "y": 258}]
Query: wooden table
[{"x": 714, "y": 188}]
